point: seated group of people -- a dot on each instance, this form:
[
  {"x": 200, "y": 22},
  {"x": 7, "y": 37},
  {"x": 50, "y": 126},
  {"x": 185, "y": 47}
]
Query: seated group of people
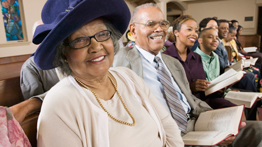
[{"x": 91, "y": 98}]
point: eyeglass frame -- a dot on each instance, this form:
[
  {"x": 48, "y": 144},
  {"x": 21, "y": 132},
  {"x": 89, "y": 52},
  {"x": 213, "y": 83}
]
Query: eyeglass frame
[
  {"x": 90, "y": 37},
  {"x": 146, "y": 24}
]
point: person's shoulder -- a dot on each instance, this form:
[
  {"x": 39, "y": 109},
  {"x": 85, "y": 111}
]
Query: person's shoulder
[
  {"x": 61, "y": 89},
  {"x": 195, "y": 54},
  {"x": 169, "y": 58},
  {"x": 121, "y": 69},
  {"x": 124, "y": 49},
  {"x": 29, "y": 62},
  {"x": 215, "y": 54}
]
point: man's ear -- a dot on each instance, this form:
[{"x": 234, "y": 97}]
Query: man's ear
[
  {"x": 200, "y": 40},
  {"x": 132, "y": 29}
]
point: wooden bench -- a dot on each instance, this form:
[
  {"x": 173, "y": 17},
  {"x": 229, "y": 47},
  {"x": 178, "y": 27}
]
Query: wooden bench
[
  {"x": 250, "y": 40},
  {"x": 10, "y": 92}
]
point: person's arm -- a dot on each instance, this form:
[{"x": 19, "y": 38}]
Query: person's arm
[{"x": 25, "y": 108}]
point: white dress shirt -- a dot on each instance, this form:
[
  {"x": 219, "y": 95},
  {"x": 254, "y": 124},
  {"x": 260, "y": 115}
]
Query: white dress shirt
[{"x": 150, "y": 77}]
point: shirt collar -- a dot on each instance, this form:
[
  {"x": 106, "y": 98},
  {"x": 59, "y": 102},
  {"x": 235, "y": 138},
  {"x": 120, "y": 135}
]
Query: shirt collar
[
  {"x": 172, "y": 51},
  {"x": 204, "y": 56},
  {"x": 148, "y": 56}
]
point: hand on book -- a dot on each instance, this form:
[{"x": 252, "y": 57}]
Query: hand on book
[
  {"x": 247, "y": 57},
  {"x": 232, "y": 138},
  {"x": 221, "y": 91},
  {"x": 199, "y": 85}
]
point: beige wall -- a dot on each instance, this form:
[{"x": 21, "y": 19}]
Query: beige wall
[
  {"x": 32, "y": 11},
  {"x": 229, "y": 9}
]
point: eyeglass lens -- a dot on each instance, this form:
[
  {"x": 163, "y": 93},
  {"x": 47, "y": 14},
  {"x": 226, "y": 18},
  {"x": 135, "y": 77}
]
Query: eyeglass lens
[
  {"x": 162, "y": 24},
  {"x": 85, "y": 41}
]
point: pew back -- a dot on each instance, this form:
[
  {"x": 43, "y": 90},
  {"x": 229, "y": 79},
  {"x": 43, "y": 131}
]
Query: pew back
[{"x": 250, "y": 40}]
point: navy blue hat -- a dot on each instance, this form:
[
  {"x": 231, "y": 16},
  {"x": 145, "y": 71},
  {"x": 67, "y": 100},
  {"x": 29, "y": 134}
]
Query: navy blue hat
[{"x": 63, "y": 17}]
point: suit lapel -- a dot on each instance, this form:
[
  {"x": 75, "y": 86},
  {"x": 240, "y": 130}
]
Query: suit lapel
[
  {"x": 175, "y": 72},
  {"x": 135, "y": 61}
]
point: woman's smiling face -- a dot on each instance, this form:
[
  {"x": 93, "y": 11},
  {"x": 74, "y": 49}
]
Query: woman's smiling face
[{"x": 95, "y": 59}]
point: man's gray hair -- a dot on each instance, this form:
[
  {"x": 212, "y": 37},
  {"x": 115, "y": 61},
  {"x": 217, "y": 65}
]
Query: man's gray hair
[
  {"x": 60, "y": 59},
  {"x": 147, "y": 5}
]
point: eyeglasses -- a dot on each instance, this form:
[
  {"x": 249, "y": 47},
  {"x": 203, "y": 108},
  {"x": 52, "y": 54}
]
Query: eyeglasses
[
  {"x": 152, "y": 24},
  {"x": 85, "y": 41}
]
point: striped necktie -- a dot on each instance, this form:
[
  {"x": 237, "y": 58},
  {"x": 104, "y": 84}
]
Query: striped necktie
[{"x": 174, "y": 103}]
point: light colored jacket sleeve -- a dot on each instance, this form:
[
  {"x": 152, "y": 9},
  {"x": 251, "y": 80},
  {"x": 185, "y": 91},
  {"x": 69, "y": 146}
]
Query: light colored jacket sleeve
[
  {"x": 172, "y": 132},
  {"x": 57, "y": 121}
]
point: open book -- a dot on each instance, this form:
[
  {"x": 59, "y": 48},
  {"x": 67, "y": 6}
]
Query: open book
[
  {"x": 237, "y": 66},
  {"x": 214, "y": 126},
  {"x": 241, "y": 64},
  {"x": 250, "y": 49},
  {"x": 249, "y": 62},
  {"x": 226, "y": 79},
  {"x": 243, "y": 98}
]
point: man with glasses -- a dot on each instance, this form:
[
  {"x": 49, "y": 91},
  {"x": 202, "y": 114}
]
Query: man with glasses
[{"x": 165, "y": 76}]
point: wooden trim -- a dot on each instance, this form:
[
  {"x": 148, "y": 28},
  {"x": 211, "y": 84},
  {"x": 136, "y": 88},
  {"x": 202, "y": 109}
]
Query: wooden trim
[
  {"x": 229, "y": 52},
  {"x": 13, "y": 59},
  {"x": 10, "y": 66},
  {"x": 14, "y": 43}
]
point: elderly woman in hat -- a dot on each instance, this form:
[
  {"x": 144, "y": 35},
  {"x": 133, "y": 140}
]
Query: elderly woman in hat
[{"x": 95, "y": 105}]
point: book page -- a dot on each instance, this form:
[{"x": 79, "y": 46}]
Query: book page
[
  {"x": 238, "y": 66},
  {"x": 242, "y": 98},
  {"x": 250, "y": 49},
  {"x": 204, "y": 137},
  {"x": 222, "y": 77},
  {"x": 227, "y": 82},
  {"x": 252, "y": 61},
  {"x": 226, "y": 119},
  {"x": 247, "y": 63}
]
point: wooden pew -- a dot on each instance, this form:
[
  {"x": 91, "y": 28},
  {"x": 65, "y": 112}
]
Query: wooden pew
[
  {"x": 250, "y": 40},
  {"x": 10, "y": 92}
]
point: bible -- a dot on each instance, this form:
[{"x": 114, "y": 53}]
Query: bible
[
  {"x": 214, "y": 126},
  {"x": 226, "y": 79},
  {"x": 250, "y": 49},
  {"x": 250, "y": 62},
  {"x": 244, "y": 63},
  {"x": 243, "y": 98},
  {"x": 238, "y": 66}
]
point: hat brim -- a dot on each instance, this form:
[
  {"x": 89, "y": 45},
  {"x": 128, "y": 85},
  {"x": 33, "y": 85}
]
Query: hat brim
[{"x": 114, "y": 11}]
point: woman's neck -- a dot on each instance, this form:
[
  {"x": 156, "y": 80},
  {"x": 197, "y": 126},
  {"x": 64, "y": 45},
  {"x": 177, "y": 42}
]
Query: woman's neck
[
  {"x": 182, "y": 50},
  {"x": 94, "y": 82},
  {"x": 101, "y": 85}
]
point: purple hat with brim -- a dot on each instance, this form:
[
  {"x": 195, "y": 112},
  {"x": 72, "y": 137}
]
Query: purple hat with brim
[{"x": 63, "y": 17}]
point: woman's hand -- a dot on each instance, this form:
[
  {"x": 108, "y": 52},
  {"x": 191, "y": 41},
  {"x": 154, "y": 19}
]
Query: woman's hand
[
  {"x": 199, "y": 85},
  {"x": 247, "y": 57}
]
